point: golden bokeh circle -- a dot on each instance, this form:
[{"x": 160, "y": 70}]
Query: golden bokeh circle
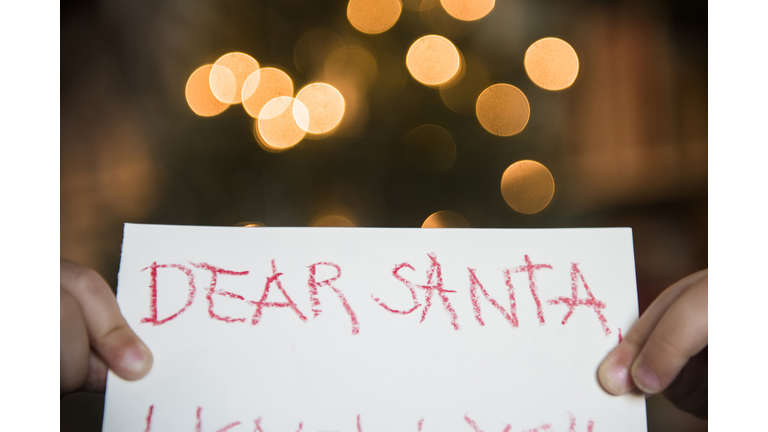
[
  {"x": 199, "y": 96},
  {"x": 551, "y": 63},
  {"x": 527, "y": 186},
  {"x": 433, "y": 60},
  {"x": 503, "y": 110},
  {"x": 373, "y": 16},
  {"x": 333, "y": 221},
  {"x": 262, "y": 86},
  {"x": 325, "y": 105},
  {"x": 282, "y": 123},
  {"x": 250, "y": 224},
  {"x": 446, "y": 219},
  {"x": 229, "y": 74},
  {"x": 431, "y": 148},
  {"x": 468, "y": 10}
]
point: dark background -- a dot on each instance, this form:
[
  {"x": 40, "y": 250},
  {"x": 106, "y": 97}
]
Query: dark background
[{"x": 626, "y": 144}]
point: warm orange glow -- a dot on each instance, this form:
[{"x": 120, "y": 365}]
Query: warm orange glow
[
  {"x": 373, "y": 16},
  {"x": 282, "y": 123},
  {"x": 351, "y": 66},
  {"x": 551, "y": 64},
  {"x": 128, "y": 181},
  {"x": 431, "y": 148},
  {"x": 252, "y": 224},
  {"x": 432, "y": 60},
  {"x": 332, "y": 221},
  {"x": 460, "y": 96},
  {"x": 263, "y": 86},
  {"x": 325, "y": 105},
  {"x": 313, "y": 49},
  {"x": 228, "y": 75},
  {"x": 468, "y": 10},
  {"x": 527, "y": 186},
  {"x": 503, "y": 110},
  {"x": 446, "y": 219},
  {"x": 199, "y": 95}
]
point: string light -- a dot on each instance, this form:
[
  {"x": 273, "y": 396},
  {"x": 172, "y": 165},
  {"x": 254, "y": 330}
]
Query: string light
[
  {"x": 373, "y": 16},
  {"x": 551, "y": 63},
  {"x": 446, "y": 219},
  {"x": 228, "y": 75},
  {"x": 262, "y": 86},
  {"x": 199, "y": 96},
  {"x": 468, "y": 10},
  {"x": 503, "y": 110},
  {"x": 432, "y": 60},
  {"x": 527, "y": 186}
]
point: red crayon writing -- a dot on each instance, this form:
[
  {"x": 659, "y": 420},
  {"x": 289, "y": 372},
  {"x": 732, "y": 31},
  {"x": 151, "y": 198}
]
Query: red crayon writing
[
  {"x": 434, "y": 285},
  {"x": 315, "y": 299},
  {"x": 531, "y": 268},
  {"x": 575, "y": 301},
  {"x": 262, "y": 303},
  {"x": 474, "y": 285},
  {"x": 472, "y": 423},
  {"x": 215, "y": 272},
  {"x": 153, "y": 292},
  {"x": 411, "y": 287}
]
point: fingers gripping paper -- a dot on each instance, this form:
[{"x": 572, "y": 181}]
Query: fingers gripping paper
[{"x": 337, "y": 329}]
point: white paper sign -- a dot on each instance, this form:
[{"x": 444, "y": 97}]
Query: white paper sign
[{"x": 357, "y": 329}]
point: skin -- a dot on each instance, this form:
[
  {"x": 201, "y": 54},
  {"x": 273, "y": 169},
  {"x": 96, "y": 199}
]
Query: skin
[
  {"x": 666, "y": 350},
  {"x": 94, "y": 335}
]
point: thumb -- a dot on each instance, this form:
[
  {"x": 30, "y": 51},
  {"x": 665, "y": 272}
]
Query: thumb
[{"x": 108, "y": 332}]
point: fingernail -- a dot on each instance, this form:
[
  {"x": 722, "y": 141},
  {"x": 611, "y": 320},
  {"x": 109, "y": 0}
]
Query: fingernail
[
  {"x": 135, "y": 360},
  {"x": 647, "y": 380},
  {"x": 618, "y": 378}
]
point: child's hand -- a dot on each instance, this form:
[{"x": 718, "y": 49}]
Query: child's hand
[
  {"x": 94, "y": 335},
  {"x": 666, "y": 349}
]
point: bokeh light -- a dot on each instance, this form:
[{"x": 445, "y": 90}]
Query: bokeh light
[
  {"x": 432, "y": 60},
  {"x": 313, "y": 49},
  {"x": 468, "y": 10},
  {"x": 333, "y": 220},
  {"x": 199, "y": 95},
  {"x": 282, "y": 123},
  {"x": 431, "y": 148},
  {"x": 551, "y": 63},
  {"x": 460, "y": 95},
  {"x": 262, "y": 86},
  {"x": 351, "y": 66},
  {"x": 250, "y": 224},
  {"x": 325, "y": 106},
  {"x": 503, "y": 110},
  {"x": 527, "y": 186},
  {"x": 446, "y": 219},
  {"x": 229, "y": 74},
  {"x": 373, "y": 16}
]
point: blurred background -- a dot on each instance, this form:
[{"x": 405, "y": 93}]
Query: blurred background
[{"x": 625, "y": 144}]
